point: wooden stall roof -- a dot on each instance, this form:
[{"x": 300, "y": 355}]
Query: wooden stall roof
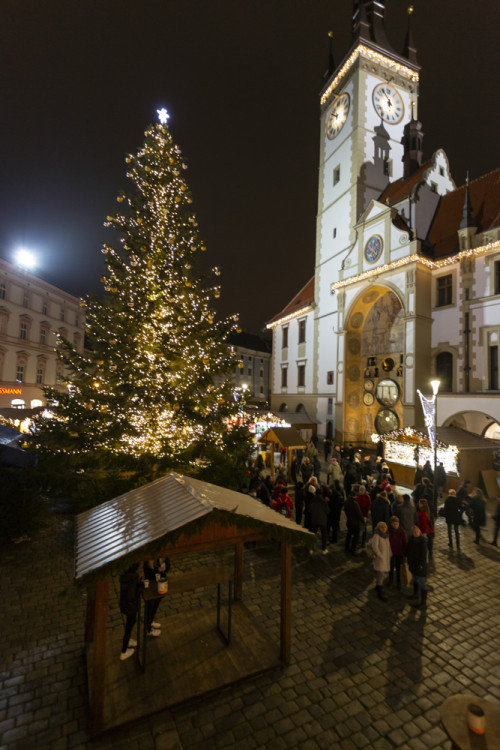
[
  {"x": 287, "y": 437},
  {"x": 130, "y": 522},
  {"x": 296, "y": 418}
]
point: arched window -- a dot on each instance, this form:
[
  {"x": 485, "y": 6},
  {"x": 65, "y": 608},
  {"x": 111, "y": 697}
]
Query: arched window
[
  {"x": 17, "y": 403},
  {"x": 35, "y": 402},
  {"x": 444, "y": 371},
  {"x": 300, "y": 408},
  {"x": 283, "y": 407}
]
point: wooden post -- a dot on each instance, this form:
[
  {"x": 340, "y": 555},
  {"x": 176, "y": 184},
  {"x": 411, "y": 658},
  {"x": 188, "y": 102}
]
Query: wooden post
[
  {"x": 90, "y": 615},
  {"x": 286, "y": 601},
  {"x": 238, "y": 571},
  {"x": 272, "y": 460},
  {"x": 99, "y": 656}
]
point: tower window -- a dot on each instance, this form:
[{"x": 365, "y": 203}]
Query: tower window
[
  {"x": 388, "y": 167},
  {"x": 284, "y": 377},
  {"x": 329, "y": 377},
  {"x": 336, "y": 175},
  {"x": 301, "y": 375},
  {"x": 334, "y": 232},
  {"x": 494, "y": 368},
  {"x": 444, "y": 371},
  {"x": 497, "y": 277},
  {"x": 441, "y": 171},
  {"x": 444, "y": 290},
  {"x": 434, "y": 187},
  {"x": 284, "y": 337},
  {"x": 329, "y": 406},
  {"x": 302, "y": 331}
]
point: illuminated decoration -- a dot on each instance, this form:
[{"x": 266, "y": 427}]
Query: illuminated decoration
[
  {"x": 491, "y": 247},
  {"x": 429, "y": 409},
  {"x": 291, "y": 316},
  {"x": 163, "y": 116},
  {"x": 376, "y": 57},
  {"x": 25, "y": 259},
  {"x": 155, "y": 383},
  {"x": 412, "y": 448}
]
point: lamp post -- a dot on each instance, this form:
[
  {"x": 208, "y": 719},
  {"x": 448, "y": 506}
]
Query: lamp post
[{"x": 435, "y": 388}]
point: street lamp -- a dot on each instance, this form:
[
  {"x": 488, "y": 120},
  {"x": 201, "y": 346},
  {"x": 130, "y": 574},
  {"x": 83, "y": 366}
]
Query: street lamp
[
  {"x": 435, "y": 388},
  {"x": 25, "y": 259}
]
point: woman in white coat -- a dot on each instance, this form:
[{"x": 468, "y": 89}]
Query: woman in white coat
[{"x": 381, "y": 548}]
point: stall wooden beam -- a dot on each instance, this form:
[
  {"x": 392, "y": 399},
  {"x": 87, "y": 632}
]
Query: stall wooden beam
[
  {"x": 98, "y": 669},
  {"x": 238, "y": 571},
  {"x": 286, "y": 601}
]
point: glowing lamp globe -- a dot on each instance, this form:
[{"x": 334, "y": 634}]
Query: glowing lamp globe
[{"x": 25, "y": 259}]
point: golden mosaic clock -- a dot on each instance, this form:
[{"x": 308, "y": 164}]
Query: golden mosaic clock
[
  {"x": 338, "y": 115},
  {"x": 388, "y": 103}
]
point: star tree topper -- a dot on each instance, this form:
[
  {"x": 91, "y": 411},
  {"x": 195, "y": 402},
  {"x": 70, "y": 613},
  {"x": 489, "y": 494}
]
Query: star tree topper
[{"x": 163, "y": 115}]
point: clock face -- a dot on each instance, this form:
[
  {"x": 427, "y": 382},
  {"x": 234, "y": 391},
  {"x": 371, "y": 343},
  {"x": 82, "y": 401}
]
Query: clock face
[
  {"x": 388, "y": 103},
  {"x": 373, "y": 248},
  {"x": 338, "y": 115},
  {"x": 368, "y": 399}
]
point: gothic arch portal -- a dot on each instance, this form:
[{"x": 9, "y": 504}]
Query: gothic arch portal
[{"x": 374, "y": 350}]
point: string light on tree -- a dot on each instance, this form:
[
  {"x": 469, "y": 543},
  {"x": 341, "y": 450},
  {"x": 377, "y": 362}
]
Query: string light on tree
[{"x": 155, "y": 383}]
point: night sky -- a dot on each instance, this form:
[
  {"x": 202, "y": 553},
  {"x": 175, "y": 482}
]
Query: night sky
[{"x": 82, "y": 79}]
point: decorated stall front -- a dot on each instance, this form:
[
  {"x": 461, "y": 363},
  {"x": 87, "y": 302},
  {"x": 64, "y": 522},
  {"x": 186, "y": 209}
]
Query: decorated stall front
[{"x": 463, "y": 454}]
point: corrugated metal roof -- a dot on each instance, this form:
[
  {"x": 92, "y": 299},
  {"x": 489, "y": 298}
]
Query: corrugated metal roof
[{"x": 114, "y": 529}]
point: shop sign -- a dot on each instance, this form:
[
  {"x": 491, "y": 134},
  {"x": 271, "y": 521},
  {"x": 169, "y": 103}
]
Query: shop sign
[{"x": 11, "y": 391}]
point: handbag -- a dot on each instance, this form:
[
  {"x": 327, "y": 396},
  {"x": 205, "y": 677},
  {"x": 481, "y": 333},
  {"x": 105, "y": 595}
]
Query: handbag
[{"x": 405, "y": 574}]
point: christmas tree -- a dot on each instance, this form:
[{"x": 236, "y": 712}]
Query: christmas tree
[{"x": 152, "y": 390}]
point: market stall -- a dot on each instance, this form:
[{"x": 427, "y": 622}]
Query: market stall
[
  {"x": 285, "y": 439},
  {"x": 171, "y": 516},
  {"x": 463, "y": 454}
]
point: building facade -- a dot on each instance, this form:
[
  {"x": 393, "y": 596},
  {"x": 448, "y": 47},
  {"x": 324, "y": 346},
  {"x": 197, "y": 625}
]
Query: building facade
[
  {"x": 252, "y": 372},
  {"x": 407, "y": 273},
  {"x": 33, "y": 314}
]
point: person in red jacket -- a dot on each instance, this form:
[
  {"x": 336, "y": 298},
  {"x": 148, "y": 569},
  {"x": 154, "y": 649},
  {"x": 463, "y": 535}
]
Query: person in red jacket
[
  {"x": 424, "y": 523},
  {"x": 363, "y": 499},
  {"x": 399, "y": 544},
  {"x": 283, "y": 504}
]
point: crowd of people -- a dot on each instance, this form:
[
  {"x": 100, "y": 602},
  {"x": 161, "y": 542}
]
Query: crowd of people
[{"x": 363, "y": 489}]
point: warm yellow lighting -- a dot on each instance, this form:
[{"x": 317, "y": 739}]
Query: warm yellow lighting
[
  {"x": 375, "y": 57},
  {"x": 435, "y": 386},
  {"x": 477, "y": 252},
  {"x": 291, "y": 316}
]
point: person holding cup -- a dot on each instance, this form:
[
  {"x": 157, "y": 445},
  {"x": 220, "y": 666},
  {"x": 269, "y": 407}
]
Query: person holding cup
[{"x": 154, "y": 570}]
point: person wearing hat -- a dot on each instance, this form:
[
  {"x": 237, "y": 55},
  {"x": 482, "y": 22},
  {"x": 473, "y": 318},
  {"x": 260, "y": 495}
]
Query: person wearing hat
[{"x": 453, "y": 516}]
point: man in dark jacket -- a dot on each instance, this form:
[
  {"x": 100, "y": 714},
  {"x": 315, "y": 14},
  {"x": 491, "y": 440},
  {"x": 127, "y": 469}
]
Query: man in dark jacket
[
  {"x": 319, "y": 515},
  {"x": 453, "y": 516},
  {"x": 354, "y": 524},
  {"x": 129, "y": 604},
  {"x": 417, "y": 562},
  {"x": 381, "y": 509}
]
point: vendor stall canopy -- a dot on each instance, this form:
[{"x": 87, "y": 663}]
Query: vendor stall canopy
[{"x": 157, "y": 511}]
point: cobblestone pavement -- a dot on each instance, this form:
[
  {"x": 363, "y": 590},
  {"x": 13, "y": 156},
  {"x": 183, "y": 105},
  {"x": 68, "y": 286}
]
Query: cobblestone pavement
[{"x": 363, "y": 673}]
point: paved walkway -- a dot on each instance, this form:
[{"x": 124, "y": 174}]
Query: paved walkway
[{"x": 363, "y": 673}]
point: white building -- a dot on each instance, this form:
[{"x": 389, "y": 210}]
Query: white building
[
  {"x": 252, "y": 371},
  {"x": 32, "y": 315},
  {"x": 407, "y": 272}
]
